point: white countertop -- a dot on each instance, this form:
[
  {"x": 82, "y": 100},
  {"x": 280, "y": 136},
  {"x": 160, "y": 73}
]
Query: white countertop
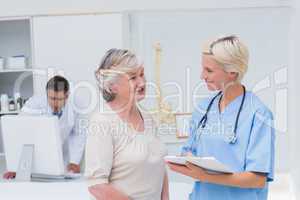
[
  {"x": 45, "y": 191},
  {"x": 180, "y": 187}
]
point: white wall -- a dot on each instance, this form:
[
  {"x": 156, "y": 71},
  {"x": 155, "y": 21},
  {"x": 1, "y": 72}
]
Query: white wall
[
  {"x": 73, "y": 46},
  {"x": 294, "y": 109},
  {"x": 181, "y": 35},
  {"x": 38, "y": 7}
]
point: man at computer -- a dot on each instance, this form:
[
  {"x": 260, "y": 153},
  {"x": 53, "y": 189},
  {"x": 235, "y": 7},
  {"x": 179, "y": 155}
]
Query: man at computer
[{"x": 55, "y": 102}]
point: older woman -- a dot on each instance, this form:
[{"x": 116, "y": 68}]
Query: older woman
[
  {"x": 233, "y": 126},
  {"x": 124, "y": 157}
]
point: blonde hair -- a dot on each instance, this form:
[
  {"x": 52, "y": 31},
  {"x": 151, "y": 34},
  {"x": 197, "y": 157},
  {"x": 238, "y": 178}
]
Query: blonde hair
[
  {"x": 230, "y": 52},
  {"x": 114, "y": 63}
]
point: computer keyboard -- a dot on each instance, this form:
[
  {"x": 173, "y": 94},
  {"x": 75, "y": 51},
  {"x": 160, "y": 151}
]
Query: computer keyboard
[{"x": 55, "y": 178}]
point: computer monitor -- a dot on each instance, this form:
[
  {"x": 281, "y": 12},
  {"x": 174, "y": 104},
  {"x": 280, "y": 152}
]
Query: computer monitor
[{"x": 43, "y": 133}]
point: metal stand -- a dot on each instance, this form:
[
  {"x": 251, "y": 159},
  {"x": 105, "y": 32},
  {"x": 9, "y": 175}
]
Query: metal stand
[{"x": 25, "y": 163}]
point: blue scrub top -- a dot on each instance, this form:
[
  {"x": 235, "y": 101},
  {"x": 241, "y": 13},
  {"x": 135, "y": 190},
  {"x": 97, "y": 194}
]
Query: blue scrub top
[{"x": 253, "y": 150}]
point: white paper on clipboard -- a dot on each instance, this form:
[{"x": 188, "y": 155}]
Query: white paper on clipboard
[{"x": 208, "y": 163}]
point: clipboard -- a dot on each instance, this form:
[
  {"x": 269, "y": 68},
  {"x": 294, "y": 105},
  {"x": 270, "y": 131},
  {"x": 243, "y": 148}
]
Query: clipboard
[{"x": 210, "y": 164}]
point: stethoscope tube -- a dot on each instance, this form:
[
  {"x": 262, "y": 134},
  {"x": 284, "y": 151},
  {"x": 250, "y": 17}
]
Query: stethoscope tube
[{"x": 202, "y": 122}]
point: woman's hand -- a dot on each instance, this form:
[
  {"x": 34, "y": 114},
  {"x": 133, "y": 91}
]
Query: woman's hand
[
  {"x": 107, "y": 192},
  {"x": 165, "y": 189}
]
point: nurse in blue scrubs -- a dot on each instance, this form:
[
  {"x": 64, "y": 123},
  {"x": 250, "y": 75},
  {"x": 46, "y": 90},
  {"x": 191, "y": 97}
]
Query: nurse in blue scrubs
[{"x": 233, "y": 125}]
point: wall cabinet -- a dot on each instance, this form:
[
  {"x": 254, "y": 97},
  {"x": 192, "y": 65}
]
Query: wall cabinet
[{"x": 15, "y": 40}]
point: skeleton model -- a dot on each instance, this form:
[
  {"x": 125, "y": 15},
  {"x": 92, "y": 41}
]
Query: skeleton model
[{"x": 164, "y": 112}]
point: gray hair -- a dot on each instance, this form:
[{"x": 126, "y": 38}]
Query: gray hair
[
  {"x": 114, "y": 63},
  {"x": 230, "y": 52}
]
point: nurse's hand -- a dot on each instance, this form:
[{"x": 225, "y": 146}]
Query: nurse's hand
[
  {"x": 73, "y": 168},
  {"x": 9, "y": 175},
  {"x": 189, "y": 170},
  {"x": 241, "y": 180}
]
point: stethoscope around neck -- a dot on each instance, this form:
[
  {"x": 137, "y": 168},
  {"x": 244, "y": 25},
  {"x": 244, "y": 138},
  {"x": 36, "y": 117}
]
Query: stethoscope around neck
[{"x": 233, "y": 137}]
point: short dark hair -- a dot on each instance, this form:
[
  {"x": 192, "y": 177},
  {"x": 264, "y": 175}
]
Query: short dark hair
[{"x": 58, "y": 83}]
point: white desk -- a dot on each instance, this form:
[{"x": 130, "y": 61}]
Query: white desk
[
  {"x": 65, "y": 191},
  {"x": 11, "y": 190},
  {"x": 180, "y": 187},
  {"x": 45, "y": 191},
  {"x": 78, "y": 191}
]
